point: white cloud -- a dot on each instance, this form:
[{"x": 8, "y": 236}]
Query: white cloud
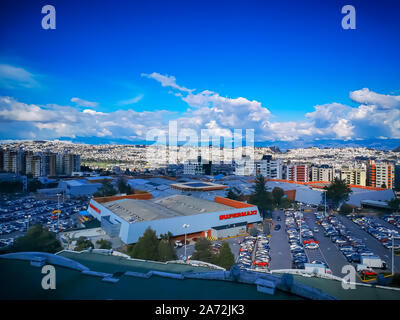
[
  {"x": 84, "y": 103},
  {"x": 376, "y": 116},
  {"x": 365, "y": 96},
  {"x": 13, "y": 77},
  {"x": 166, "y": 81}
]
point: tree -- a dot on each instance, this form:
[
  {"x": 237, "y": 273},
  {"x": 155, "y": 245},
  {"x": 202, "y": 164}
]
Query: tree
[
  {"x": 34, "y": 184},
  {"x": 253, "y": 231},
  {"x": 202, "y": 251},
  {"x": 123, "y": 186},
  {"x": 261, "y": 197},
  {"x": 83, "y": 244},
  {"x": 394, "y": 204},
  {"x": 38, "y": 239},
  {"x": 166, "y": 250},
  {"x": 346, "y": 209},
  {"x": 277, "y": 195},
  {"x": 234, "y": 193},
  {"x": 225, "y": 258},
  {"x": 104, "y": 244},
  {"x": 106, "y": 190},
  {"x": 10, "y": 186},
  {"x": 337, "y": 192},
  {"x": 147, "y": 246}
]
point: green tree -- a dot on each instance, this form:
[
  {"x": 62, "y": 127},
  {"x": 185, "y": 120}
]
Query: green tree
[
  {"x": 38, "y": 239},
  {"x": 10, "y": 186},
  {"x": 123, "y": 186},
  {"x": 394, "y": 204},
  {"x": 225, "y": 258},
  {"x": 337, "y": 192},
  {"x": 202, "y": 251},
  {"x": 104, "y": 244},
  {"x": 34, "y": 184},
  {"x": 261, "y": 197},
  {"x": 277, "y": 195},
  {"x": 346, "y": 209},
  {"x": 83, "y": 244},
  {"x": 234, "y": 193},
  {"x": 166, "y": 250},
  {"x": 106, "y": 190},
  {"x": 147, "y": 246}
]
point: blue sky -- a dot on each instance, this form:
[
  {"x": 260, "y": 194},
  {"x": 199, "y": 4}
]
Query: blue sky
[{"x": 288, "y": 56}]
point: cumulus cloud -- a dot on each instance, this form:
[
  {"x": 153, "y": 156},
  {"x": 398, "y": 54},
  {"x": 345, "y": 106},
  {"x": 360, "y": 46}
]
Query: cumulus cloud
[
  {"x": 377, "y": 116},
  {"x": 19, "y": 120},
  {"x": 14, "y": 77},
  {"x": 84, "y": 103},
  {"x": 365, "y": 96}
]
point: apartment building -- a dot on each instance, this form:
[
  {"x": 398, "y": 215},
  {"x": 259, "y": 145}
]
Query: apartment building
[
  {"x": 322, "y": 173},
  {"x": 298, "y": 172},
  {"x": 269, "y": 168},
  {"x": 380, "y": 174},
  {"x": 354, "y": 176}
]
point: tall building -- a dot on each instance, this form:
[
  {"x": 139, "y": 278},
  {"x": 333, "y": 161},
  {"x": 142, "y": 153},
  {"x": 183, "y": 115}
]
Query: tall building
[
  {"x": 269, "y": 168},
  {"x": 380, "y": 174},
  {"x": 49, "y": 164},
  {"x": 34, "y": 165},
  {"x": 13, "y": 161},
  {"x": 298, "y": 172},
  {"x": 322, "y": 173},
  {"x": 354, "y": 176},
  {"x": 71, "y": 163}
]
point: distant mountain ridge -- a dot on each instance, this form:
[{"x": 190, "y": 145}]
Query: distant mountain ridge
[{"x": 275, "y": 146}]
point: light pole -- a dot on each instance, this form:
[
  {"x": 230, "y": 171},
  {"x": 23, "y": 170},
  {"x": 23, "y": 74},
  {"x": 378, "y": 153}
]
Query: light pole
[
  {"x": 301, "y": 217},
  {"x": 185, "y": 226},
  {"x": 325, "y": 203},
  {"x": 392, "y": 252},
  {"x": 27, "y": 220},
  {"x": 58, "y": 211}
]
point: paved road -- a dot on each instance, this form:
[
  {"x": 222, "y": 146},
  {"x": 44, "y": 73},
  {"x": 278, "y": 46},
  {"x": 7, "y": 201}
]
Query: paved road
[
  {"x": 372, "y": 243},
  {"x": 329, "y": 251},
  {"x": 279, "y": 245}
]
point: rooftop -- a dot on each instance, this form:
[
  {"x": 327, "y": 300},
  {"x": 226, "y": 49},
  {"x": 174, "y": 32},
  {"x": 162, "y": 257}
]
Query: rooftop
[{"x": 133, "y": 210}]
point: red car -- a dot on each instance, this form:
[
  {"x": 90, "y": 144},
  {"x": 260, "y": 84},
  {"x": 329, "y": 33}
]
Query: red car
[{"x": 310, "y": 241}]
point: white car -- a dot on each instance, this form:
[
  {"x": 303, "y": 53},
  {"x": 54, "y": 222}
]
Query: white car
[{"x": 311, "y": 246}]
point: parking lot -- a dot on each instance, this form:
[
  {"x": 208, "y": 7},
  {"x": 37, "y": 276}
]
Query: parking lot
[{"x": 16, "y": 215}]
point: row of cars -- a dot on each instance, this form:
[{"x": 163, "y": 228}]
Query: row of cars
[
  {"x": 353, "y": 248},
  {"x": 245, "y": 252},
  {"x": 378, "y": 231},
  {"x": 292, "y": 222},
  {"x": 393, "y": 219},
  {"x": 260, "y": 247},
  {"x": 262, "y": 257}
]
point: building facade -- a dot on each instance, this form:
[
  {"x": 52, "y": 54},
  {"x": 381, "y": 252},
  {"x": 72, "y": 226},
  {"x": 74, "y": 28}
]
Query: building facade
[
  {"x": 380, "y": 174},
  {"x": 354, "y": 176}
]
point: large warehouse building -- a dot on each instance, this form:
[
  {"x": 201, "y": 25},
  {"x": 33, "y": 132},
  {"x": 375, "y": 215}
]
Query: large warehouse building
[{"x": 129, "y": 218}]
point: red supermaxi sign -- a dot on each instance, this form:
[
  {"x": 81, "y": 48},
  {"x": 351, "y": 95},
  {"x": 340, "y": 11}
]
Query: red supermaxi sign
[
  {"x": 94, "y": 208},
  {"x": 237, "y": 215}
]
